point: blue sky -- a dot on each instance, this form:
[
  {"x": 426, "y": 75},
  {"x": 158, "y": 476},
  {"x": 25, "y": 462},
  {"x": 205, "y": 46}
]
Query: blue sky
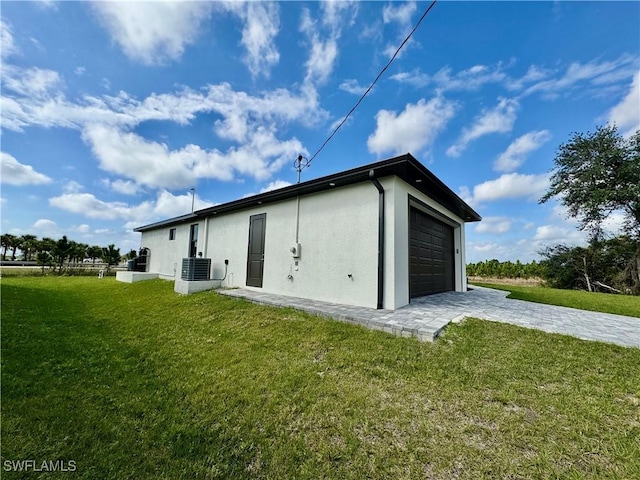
[{"x": 112, "y": 111}]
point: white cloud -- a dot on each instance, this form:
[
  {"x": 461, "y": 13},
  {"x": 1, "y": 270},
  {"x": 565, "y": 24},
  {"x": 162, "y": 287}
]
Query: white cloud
[
  {"x": 156, "y": 165},
  {"x": 44, "y": 227},
  {"x": 352, "y": 86},
  {"x": 444, "y": 80},
  {"x": 507, "y": 186},
  {"x": 106, "y": 123},
  {"x": 516, "y": 153},
  {"x": 413, "y": 129},
  {"x": 554, "y": 234},
  {"x": 7, "y": 45},
  {"x": 16, "y": 173},
  {"x": 323, "y": 38},
  {"x": 275, "y": 185},
  {"x": 401, "y": 14},
  {"x": 626, "y": 114},
  {"x": 261, "y": 26},
  {"x": 499, "y": 119},
  {"x": 497, "y": 225},
  {"x": 152, "y": 32},
  {"x": 125, "y": 187},
  {"x": 595, "y": 73},
  {"x": 31, "y": 82},
  {"x": 84, "y": 228},
  {"x": 534, "y": 74},
  {"x": 72, "y": 187},
  {"x": 165, "y": 205}
]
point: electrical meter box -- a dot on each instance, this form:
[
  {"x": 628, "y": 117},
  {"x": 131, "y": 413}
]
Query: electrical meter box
[{"x": 295, "y": 250}]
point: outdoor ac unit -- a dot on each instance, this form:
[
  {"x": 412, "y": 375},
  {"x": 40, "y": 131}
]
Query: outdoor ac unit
[{"x": 196, "y": 268}]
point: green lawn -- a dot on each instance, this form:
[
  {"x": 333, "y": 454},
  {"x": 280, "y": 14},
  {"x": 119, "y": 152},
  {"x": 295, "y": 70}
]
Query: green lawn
[
  {"x": 132, "y": 381},
  {"x": 597, "y": 302}
]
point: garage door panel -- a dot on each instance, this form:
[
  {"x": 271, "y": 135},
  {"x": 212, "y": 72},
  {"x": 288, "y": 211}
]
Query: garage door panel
[{"x": 431, "y": 260}]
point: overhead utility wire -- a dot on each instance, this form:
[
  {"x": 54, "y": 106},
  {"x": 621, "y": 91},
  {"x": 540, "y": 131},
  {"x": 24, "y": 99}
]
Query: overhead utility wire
[{"x": 372, "y": 84}]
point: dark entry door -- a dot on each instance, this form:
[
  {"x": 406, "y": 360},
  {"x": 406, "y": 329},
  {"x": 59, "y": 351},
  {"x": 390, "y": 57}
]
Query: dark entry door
[
  {"x": 431, "y": 260},
  {"x": 255, "y": 257}
]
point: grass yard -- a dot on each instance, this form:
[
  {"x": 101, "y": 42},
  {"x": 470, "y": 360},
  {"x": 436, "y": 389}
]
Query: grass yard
[
  {"x": 134, "y": 381},
  {"x": 597, "y": 302}
]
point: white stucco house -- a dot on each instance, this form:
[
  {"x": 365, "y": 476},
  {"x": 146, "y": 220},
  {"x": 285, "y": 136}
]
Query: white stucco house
[{"x": 374, "y": 236}]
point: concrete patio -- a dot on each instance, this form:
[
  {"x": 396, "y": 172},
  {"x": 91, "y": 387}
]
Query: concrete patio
[{"x": 426, "y": 317}]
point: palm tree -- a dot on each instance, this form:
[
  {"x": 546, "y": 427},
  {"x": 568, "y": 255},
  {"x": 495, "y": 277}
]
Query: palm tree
[
  {"x": 94, "y": 252},
  {"x": 61, "y": 252},
  {"x": 14, "y": 244},
  {"x": 111, "y": 256},
  {"x": 6, "y": 242},
  {"x": 29, "y": 243},
  {"x": 78, "y": 252}
]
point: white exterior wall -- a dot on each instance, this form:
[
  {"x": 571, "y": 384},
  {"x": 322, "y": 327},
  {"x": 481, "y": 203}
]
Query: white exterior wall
[
  {"x": 397, "y": 241},
  {"x": 338, "y": 234},
  {"x": 166, "y": 255}
]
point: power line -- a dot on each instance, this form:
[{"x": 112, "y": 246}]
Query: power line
[{"x": 301, "y": 166}]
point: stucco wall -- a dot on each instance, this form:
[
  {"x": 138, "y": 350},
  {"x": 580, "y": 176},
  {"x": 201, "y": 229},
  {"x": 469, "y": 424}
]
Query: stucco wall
[
  {"x": 338, "y": 234},
  {"x": 397, "y": 293},
  {"x": 166, "y": 255}
]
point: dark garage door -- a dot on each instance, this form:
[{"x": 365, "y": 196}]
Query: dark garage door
[{"x": 431, "y": 265}]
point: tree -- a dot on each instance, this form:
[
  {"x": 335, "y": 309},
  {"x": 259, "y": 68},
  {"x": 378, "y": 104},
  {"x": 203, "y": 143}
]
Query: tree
[
  {"x": 29, "y": 243},
  {"x": 131, "y": 255},
  {"x": 596, "y": 174},
  {"x": 94, "y": 252},
  {"x": 61, "y": 251},
  {"x": 12, "y": 242},
  {"x": 44, "y": 259},
  {"x": 111, "y": 256},
  {"x": 5, "y": 242}
]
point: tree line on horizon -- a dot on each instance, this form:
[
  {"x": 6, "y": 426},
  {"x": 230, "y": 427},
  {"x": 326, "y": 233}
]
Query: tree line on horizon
[{"x": 60, "y": 254}]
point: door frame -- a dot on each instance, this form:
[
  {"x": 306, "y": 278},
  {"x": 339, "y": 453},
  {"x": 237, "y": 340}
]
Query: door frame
[{"x": 256, "y": 281}]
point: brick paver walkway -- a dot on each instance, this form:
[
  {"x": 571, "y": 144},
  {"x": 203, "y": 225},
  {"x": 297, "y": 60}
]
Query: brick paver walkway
[{"x": 426, "y": 317}]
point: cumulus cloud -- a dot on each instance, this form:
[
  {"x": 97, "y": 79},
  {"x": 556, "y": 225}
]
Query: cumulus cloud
[
  {"x": 107, "y": 123},
  {"x": 352, "y": 86},
  {"x": 125, "y": 187},
  {"x": 165, "y": 205},
  {"x": 399, "y": 14},
  {"x": 275, "y": 185},
  {"x": 152, "y": 32},
  {"x": 156, "y": 165},
  {"x": 411, "y": 130},
  {"x": 626, "y": 114},
  {"x": 496, "y": 225},
  {"x": 554, "y": 234},
  {"x": 507, "y": 186},
  {"x": 499, "y": 119},
  {"x": 517, "y": 152},
  {"x": 16, "y": 173}
]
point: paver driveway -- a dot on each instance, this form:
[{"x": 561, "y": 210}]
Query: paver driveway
[{"x": 426, "y": 317}]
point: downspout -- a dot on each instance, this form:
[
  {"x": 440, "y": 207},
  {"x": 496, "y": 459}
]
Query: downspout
[{"x": 377, "y": 184}]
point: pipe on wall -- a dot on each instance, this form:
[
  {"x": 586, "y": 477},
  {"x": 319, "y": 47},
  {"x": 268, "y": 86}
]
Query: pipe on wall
[{"x": 378, "y": 185}]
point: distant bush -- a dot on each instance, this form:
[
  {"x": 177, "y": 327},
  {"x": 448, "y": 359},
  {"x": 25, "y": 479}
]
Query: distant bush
[{"x": 496, "y": 269}]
